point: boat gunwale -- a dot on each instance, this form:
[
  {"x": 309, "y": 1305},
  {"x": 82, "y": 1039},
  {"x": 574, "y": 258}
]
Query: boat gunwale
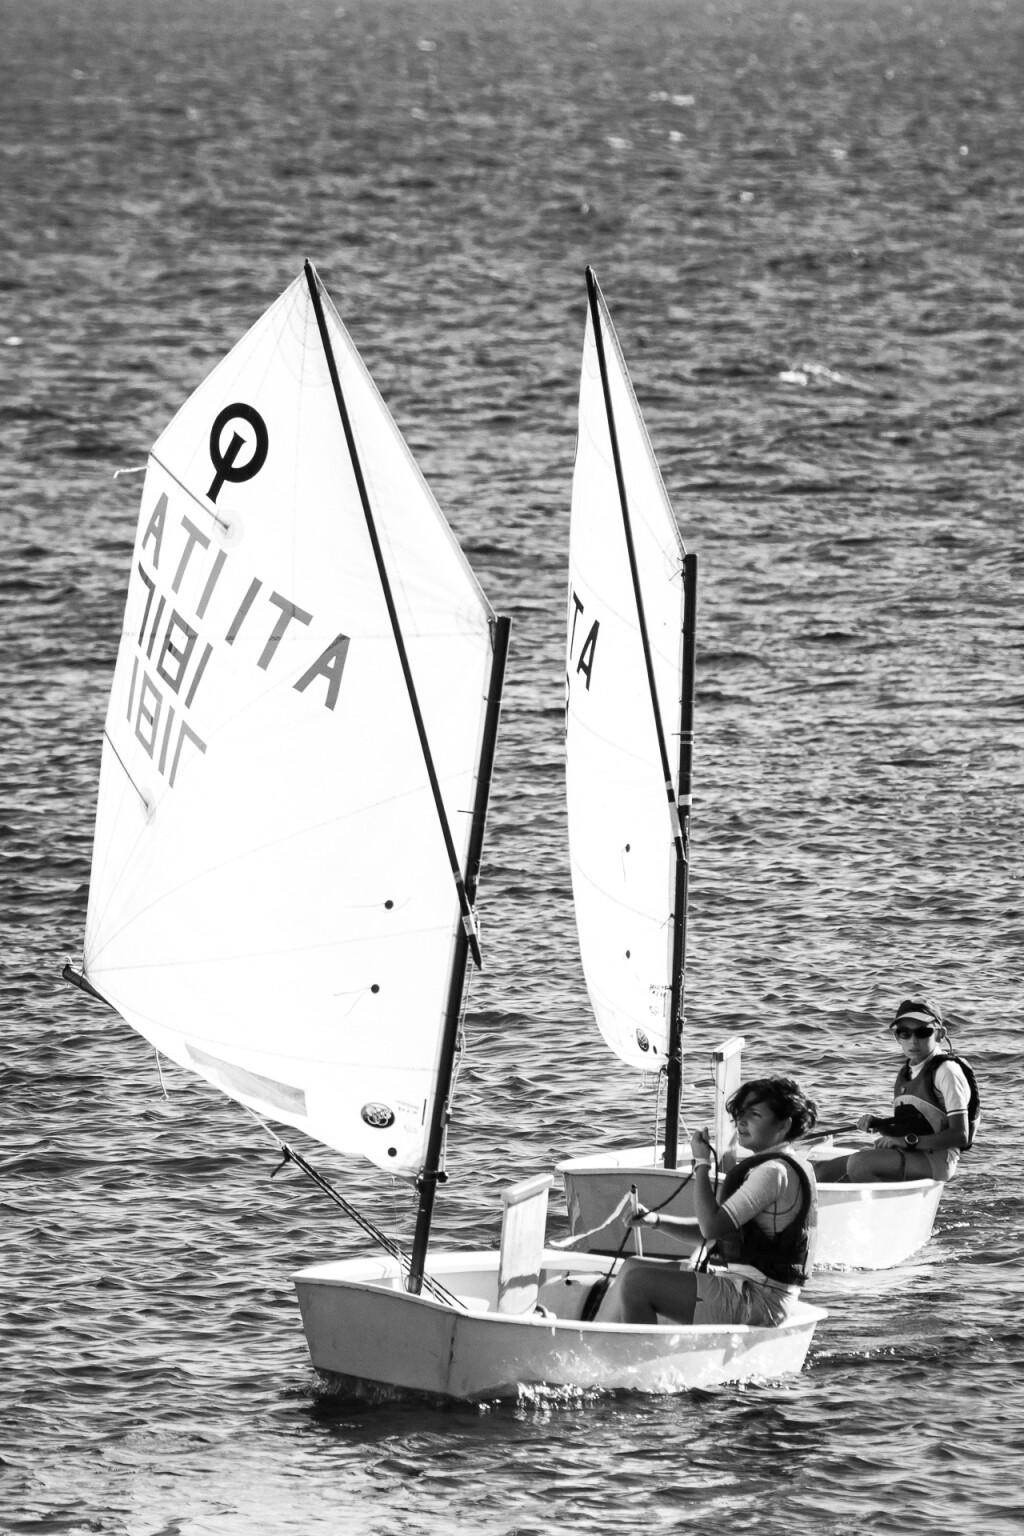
[
  {"x": 807, "y": 1313},
  {"x": 590, "y": 1165}
]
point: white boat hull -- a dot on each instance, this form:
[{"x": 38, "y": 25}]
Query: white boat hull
[
  {"x": 362, "y": 1326},
  {"x": 860, "y": 1226}
]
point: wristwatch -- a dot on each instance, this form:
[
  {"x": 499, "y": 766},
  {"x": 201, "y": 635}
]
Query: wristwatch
[{"x": 910, "y": 1139}]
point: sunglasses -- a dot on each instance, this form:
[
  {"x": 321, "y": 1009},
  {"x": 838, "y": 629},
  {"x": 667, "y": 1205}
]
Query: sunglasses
[{"x": 902, "y": 1033}]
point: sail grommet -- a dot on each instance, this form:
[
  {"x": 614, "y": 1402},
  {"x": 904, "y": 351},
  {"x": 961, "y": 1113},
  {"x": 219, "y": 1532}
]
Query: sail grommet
[{"x": 230, "y": 529}]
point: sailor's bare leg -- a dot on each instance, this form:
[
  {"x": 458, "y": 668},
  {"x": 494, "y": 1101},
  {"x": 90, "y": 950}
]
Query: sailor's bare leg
[{"x": 645, "y": 1290}]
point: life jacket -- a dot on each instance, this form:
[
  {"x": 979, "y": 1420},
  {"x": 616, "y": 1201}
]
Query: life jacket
[
  {"x": 908, "y": 1118},
  {"x": 788, "y": 1256}
]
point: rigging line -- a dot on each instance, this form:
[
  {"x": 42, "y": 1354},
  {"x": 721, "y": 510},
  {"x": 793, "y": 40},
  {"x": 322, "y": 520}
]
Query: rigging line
[
  {"x": 221, "y": 522},
  {"x": 594, "y": 295},
  {"x": 677, "y": 1191},
  {"x": 124, "y": 767},
  {"x": 437, "y": 1290},
  {"x": 599, "y": 1289},
  {"x": 702, "y": 1255},
  {"x": 465, "y": 905},
  {"x": 390, "y": 1247}
]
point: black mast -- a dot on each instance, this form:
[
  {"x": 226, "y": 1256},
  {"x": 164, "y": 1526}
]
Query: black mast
[
  {"x": 681, "y": 904},
  {"x": 466, "y": 941},
  {"x": 680, "y": 825},
  {"x": 431, "y": 1174}
]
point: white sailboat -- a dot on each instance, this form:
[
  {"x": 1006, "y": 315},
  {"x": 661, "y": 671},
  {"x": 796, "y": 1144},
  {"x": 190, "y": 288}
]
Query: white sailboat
[
  {"x": 289, "y": 829},
  {"x": 629, "y": 745}
]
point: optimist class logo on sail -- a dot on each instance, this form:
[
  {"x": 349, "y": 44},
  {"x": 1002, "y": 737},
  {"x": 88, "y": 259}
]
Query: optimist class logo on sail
[{"x": 190, "y": 598}]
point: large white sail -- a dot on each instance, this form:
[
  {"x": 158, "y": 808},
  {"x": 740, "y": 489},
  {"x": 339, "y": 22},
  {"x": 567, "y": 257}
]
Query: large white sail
[
  {"x": 620, "y": 826},
  {"x": 272, "y": 904}
]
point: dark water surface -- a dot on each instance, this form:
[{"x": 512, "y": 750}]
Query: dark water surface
[{"x": 807, "y": 220}]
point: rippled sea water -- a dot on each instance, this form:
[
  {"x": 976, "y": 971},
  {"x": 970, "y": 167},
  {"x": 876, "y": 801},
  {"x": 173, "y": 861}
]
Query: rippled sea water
[{"x": 806, "y": 219}]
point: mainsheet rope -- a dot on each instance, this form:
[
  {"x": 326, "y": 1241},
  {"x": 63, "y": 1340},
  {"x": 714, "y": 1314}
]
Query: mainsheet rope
[{"x": 599, "y": 1289}]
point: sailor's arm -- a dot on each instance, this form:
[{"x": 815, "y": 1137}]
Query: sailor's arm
[
  {"x": 955, "y": 1135},
  {"x": 714, "y": 1222},
  {"x": 711, "y": 1219}
]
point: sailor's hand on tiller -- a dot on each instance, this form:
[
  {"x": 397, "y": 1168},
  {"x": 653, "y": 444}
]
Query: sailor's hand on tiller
[{"x": 864, "y": 1123}]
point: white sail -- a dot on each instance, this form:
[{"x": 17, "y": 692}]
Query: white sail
[
  {"x": 620, "y": 827},
  {"x": 271, "y": 901}
]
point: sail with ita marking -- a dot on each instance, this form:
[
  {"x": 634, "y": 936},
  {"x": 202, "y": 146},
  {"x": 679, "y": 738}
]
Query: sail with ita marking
[
  {"x": 272, "y": 902},
  {"x": 623, "y": 839}
]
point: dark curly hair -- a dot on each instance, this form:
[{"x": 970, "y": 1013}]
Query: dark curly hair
[{"x": 784, "y": 1098}]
